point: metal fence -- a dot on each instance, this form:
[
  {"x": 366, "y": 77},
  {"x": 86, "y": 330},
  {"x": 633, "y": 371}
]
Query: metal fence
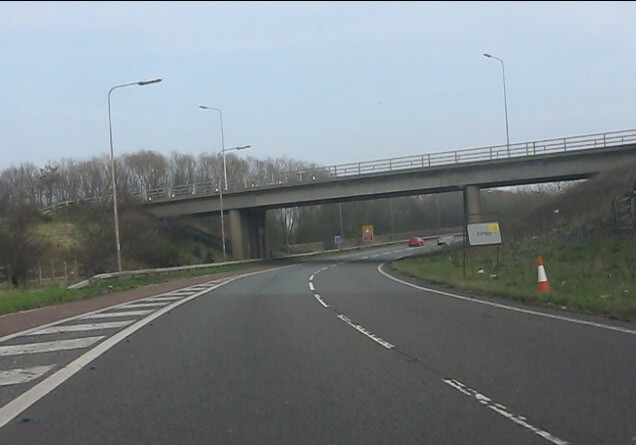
[{"x": 46, "y": 273}]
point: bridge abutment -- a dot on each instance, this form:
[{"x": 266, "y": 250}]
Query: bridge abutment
[
  {"x": 248, "y": 234},
  {"x": 472, "y": 204}
]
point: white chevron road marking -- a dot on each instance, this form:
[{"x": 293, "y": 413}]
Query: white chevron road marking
[
  {"x": 16, "y": 376},
  {"x": 49, "y": 346}
]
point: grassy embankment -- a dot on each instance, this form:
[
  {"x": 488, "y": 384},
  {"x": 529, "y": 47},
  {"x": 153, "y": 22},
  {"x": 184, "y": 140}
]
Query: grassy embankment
[
  {"x": 597, "y": 276},
  {"x": 36, "y": 296}
]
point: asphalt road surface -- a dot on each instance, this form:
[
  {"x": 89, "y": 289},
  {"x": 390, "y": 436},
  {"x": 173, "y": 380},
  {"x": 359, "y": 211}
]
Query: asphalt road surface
[{"x": 331, "y": 351}]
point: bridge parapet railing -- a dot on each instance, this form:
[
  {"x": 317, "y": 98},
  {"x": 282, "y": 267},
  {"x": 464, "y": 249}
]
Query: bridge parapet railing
[
  {"x": 179, "y": 191},
  {"x": 497, "y": 152},
  {"x": 454, "y": 157}
]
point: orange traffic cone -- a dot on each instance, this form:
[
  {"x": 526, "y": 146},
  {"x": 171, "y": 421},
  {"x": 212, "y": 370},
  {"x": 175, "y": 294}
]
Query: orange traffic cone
[{"x": 542, "y": 285}]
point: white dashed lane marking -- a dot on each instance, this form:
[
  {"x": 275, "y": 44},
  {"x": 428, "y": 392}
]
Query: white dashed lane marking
[
  {"x": 502, "y": 410},
  {"x": 363, "y": 331},
  {"x": 320, "y": 300},
  {"x": 497, "y": 407}
]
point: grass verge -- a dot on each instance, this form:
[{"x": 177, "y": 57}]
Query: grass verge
[
  {"x": 596, "y": 276},
  {"x": 37, "y": 296}
]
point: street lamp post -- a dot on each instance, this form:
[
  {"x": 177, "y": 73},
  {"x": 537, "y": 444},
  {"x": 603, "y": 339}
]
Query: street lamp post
[
  {"x": 222, "y": 152},
  {"x": 222, "y": 219},
  {"x": 392, "y": 228},
  {"x": 221, "y": 196},
  {"x": 112, "y": 162},
  {"x": 503, "y": 72},
  {"x": 340, "y": 212},
  {"x": 204, "y": 107}
]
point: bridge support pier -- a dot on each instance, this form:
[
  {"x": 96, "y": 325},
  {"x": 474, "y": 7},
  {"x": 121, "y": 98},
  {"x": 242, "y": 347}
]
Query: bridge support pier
[
  {"x": 248, "y": 234},
  {"x": 472, "y": 204}
]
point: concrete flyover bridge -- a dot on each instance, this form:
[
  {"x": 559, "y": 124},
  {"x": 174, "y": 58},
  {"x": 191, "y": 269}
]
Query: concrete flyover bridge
[{"x": 467, "y": 170}]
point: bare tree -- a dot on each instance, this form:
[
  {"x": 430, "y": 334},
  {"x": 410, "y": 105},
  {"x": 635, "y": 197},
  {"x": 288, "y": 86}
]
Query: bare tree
[
  {"x": 259, "y": 172},
  {"x": 182, "y": 169},
  {"x": 70, "y": 183},
  {"x": 238, "y": 171},
  {"x": 148, "y": 170},
  {"x": 24, "y": 181},
  {"x": 208, "y": 168},
  {"x": 19, "y": 247},
  {"x": 49, "y": 179},
  {"x": 94, "y": 178}
]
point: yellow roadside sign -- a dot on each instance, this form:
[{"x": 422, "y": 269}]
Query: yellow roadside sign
[{"x": 367, "y": 232}]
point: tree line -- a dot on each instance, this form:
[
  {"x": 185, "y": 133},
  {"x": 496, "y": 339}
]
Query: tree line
[{"x": 28, "y": 189}]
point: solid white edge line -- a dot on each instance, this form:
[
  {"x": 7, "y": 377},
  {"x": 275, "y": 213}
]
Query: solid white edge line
[
  {"x": 28, "y": 398},
  {"x": 64, "y": 320},
  {"x": 510, "y": 308},
  {"x": 166, "y": 295}
]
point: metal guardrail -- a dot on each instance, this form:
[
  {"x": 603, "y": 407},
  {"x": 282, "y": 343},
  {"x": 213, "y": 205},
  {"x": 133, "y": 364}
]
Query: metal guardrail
[
  {"x": 168, "y": 270},
  {"x": 48, "y": 209},
  {"x": 329, "y": 173},
  {"x": 157, "y": 271}
]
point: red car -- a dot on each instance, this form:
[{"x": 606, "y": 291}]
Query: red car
[{"x": 416, "y": 241}]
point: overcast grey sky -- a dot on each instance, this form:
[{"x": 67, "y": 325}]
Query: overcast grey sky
[{"x": 320, "y": 82}]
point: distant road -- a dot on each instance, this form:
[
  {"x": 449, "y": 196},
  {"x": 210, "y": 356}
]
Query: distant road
[{"x": 335, "y": 352}]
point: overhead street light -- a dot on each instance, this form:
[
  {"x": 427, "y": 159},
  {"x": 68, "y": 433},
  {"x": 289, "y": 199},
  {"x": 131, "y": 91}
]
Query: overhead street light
[
  {"x": 205, "y": 107},
  {"x": 112, "y": 162},
  {"x": 503, "y": 72},
  {"x": 221, "y": 194},
  {"x": 243, "y": 147},
  {"x": 222, "y": 151}
]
